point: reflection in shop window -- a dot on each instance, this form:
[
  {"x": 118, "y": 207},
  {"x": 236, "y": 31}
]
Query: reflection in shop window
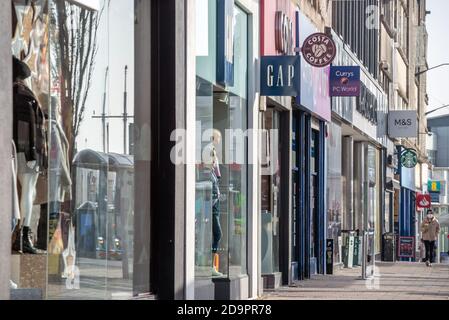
[
  {"x": 221, "y": 185},
  {"x": 73, "y": 227}
]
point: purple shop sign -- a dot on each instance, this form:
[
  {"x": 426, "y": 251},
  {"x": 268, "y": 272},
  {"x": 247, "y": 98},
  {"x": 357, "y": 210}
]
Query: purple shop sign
[{"x": 344, "y": 82}]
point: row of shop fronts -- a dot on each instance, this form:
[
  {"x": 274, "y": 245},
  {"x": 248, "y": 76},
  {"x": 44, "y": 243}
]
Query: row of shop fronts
[{"x": 166, "y": 173}]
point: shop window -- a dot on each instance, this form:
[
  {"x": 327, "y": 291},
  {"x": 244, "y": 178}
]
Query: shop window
[
  {"x": 74, "y": 125},
  {"x": 271, "y": 192},
  {"x": 334, "y": 187},
  {"x": 221, "y": 171}
]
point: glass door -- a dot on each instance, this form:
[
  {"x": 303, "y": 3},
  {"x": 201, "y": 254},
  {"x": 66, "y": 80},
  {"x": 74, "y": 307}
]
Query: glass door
[{"x": 271, "y": 191}]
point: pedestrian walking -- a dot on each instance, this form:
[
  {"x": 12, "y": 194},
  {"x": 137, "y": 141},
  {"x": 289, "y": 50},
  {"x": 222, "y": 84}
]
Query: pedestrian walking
[{"x": 430, "y": 228}]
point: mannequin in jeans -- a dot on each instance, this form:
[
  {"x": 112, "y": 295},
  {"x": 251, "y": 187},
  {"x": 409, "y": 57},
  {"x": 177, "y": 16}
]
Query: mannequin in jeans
[{"x": 212, "y": 163}]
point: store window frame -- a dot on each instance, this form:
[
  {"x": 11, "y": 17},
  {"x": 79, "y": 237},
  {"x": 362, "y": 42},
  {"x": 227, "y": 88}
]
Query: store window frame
[
  {"x": 142, "y": 51},
  {"x": 221, "y": 285}
]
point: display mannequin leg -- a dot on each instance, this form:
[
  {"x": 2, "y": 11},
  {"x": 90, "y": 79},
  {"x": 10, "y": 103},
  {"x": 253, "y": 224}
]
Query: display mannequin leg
[
  {"x": 28, "y": 183},
  {"x": 216, "y": 235}
]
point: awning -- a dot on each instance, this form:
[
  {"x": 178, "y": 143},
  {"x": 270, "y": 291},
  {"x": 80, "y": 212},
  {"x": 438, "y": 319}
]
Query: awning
[{"x": 91, "y": 159}]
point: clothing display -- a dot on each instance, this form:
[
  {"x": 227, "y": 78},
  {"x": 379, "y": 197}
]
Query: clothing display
[
  {"x": 30, "y": 141},
  {"x": 56, "y": 185},
  {"x": 28, "y": 126},
  {"x": 15, "y": 205},
  {"x": 215, "y": 177}
]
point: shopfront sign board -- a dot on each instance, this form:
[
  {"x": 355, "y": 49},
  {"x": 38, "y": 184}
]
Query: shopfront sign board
[
  {"x": 409, "y": 158},
  {"x": 280, "y": 76},
  {"x": 434, "y": 186},
  {"x": 225, "y": 42},
  {"x": 435, "y": 197},
  {"x": 406, "y": 247},
  {"x": 403, "y": 124},
  {"x": 319, "y": 50},
  {"x": 423, "y": 201},
  {"x": 344, "y": 81}
]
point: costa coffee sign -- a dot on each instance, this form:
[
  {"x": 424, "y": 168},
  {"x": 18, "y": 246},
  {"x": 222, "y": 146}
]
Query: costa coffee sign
[
  {"x": 319, "y": 50},
  {"x": 284, "y": 33}
]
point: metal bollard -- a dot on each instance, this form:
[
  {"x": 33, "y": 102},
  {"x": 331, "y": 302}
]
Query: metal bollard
[{"x": 364, "y": 252}]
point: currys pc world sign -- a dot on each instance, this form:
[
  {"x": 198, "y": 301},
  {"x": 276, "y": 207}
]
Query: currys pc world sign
[{"x": 344, "y": 82}]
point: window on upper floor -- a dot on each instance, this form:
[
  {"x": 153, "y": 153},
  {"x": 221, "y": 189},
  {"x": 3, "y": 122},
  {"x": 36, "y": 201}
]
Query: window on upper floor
[
  {"x": 402, "y": 27},
  {"x": 387, "y": 12}
]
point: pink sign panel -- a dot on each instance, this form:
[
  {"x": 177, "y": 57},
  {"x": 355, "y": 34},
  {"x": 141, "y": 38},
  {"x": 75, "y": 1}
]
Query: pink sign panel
[{"x": 278, "y": 27}]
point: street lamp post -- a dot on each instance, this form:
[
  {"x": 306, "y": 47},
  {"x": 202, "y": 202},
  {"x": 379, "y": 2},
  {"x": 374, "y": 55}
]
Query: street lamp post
[
  {"x": 424, "y": 71},
  {"x": 445, "y": 106}
]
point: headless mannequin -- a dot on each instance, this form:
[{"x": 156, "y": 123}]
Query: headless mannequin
[{"x": 27, "y": 170}]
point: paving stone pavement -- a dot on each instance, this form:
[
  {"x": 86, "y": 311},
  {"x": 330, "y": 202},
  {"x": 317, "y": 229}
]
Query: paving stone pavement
[{"x": 393, "y": 281}]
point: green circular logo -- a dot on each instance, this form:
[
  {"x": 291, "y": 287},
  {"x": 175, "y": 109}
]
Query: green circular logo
[{"x": 409, "y": 158}]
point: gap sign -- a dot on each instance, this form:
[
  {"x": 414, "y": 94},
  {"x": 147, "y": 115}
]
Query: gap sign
[
  {"x": 280, "y": 76},
  {"x": 345, "y": 82}
]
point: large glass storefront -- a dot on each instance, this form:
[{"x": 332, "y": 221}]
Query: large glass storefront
[
  {"x": 77, "y": 225},
  {"x": 334, "y": 188},
  {"x": 221, "y": 205},
  {"x": 271, "y": 191}
]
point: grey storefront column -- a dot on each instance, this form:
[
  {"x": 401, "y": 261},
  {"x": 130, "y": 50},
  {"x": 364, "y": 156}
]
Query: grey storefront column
[
  {"x": 5, "y": 146},
  {"x": 348, "y": 184}
]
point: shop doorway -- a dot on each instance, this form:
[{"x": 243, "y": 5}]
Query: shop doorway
[
  {"x": 314, "y": 214},
  {"x": 271, "y": 188},
  {"x": 308, "y": 220}
]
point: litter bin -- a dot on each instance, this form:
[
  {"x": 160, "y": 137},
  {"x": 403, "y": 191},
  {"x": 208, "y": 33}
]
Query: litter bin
[
  {"x": 348, "y": 249},
  {"x": 330, "y": 256},
  {"x": 388, "y": 247},
  {"x": 357, "y": 251}
]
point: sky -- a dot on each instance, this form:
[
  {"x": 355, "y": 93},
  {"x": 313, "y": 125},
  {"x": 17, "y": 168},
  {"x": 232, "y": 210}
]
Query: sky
[
  {"x": 438, "y": 53},
  {"x": 115, "y": 51}
]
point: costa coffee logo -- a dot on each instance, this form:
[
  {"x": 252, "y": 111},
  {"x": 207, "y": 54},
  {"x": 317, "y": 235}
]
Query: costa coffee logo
[
  {"x": 319, "y": 50},
  {"x": 284, "y": 33}
]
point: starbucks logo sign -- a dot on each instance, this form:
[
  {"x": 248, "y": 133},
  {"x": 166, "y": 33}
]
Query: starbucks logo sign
[
  {"x": 409, "y": 158},
  {"x": 319, "y": 50}
]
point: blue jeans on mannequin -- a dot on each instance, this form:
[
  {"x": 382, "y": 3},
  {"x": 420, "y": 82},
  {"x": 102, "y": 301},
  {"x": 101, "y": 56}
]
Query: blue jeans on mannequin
[{"x": 216, "y": 226}]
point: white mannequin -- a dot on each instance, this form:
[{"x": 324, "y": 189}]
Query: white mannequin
[
  {"x": 16, "y": 210},
  {"x": 28, "y": 182},
  {"x": 27, "y": 171},
  {"x": 27, "y": 174}
]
